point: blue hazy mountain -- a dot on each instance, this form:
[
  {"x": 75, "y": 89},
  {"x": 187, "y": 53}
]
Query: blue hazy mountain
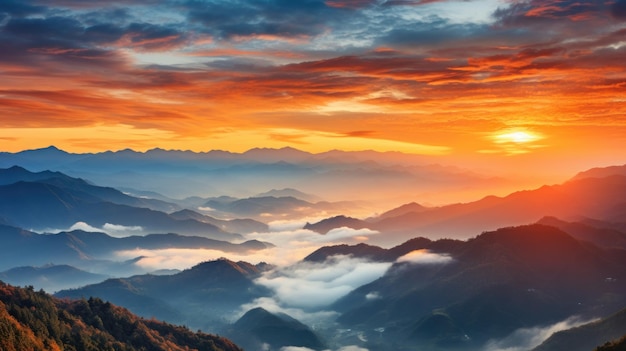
[
  {"x": 16, "y": 174},
  {"x": 258, "y": 327},
  {"x": 95, "y": 251},
  {"x": 50, "y": 278},
  {"x": 61, "y": 201},
  {"x": 237, "y": 225},
  {"x": 201, "y": 296},
  {"x": 334, "y": 175}
]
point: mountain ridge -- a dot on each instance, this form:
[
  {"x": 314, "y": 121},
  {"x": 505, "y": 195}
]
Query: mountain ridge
[{"x": 32, "y": 320}]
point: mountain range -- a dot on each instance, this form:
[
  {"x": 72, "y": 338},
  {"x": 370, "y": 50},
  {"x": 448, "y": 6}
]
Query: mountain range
[
  {"x": 600, "y": 199},
  {"x": 334, "y": 175},
  {"x": 467, "y": 276},
  {"x": 61, "y": 202},
  {"x": 438, "y": 294},
  {"x": 491, "y": 286},
  {"x": 96, "y": 252}
]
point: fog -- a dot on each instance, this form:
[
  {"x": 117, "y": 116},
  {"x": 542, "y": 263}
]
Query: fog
[
  {"x": 310, "y": 285},
  {"x": 345, "y": 348},
  {"x": 115, "y": 230},
  {"x": 424, "y": 257},
  {"x": 290, "y": 247},
  {"x": 528, "y": 338}
]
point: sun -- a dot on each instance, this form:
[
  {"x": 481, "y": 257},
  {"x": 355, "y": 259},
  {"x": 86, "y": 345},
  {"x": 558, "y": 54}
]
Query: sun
[
  {"x": 517, "y": 137},
  {"x": 515, "y": 141}
]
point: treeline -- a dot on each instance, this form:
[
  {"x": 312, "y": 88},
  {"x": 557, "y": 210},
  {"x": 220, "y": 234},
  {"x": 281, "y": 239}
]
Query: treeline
[
  {"x": 33, "y": 320},
  {"x": 617, "y": 345}
]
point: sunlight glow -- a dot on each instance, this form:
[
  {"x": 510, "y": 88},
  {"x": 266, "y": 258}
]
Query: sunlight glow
[{"x": 516, "y": 137}]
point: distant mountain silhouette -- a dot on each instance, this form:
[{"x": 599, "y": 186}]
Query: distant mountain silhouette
[
  {"x": 92, "y": 250},
  {"x": 361, "y": 250},
  {"x": 331, "y": 175},
  {"x": 242, "y": 226},
  {"x": 376, "y": 253},
  {"x": 199, "y": 296},
  {"x": 32, "y": 320},
  {"x": 258, "y": 205},
  {"x": 258, "y": 326},
  {"x": 602, "y": 172},
  {"x": 412, "y": 207},
  {"x": 289, "y": 192},
  {"x": 50, "y": 277},
  {"x": 496, "y": 283},
  {"x": 41, "y": 206},
  {"x": 588, "y": 336},
  {"x": 598, "y": 198},
  {"x": 18, "y": 174},
  {"x": 326, "y": 225}
]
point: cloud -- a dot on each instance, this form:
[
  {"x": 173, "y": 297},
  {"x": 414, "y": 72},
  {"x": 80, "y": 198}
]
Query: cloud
[
  {"x": 374, "y": 295},
  {"x": 311, "y": 285},
  {"x": 424, "y": 257},
  {"x": 84, "y": 227},
  {"x": 344, "y": 348},
  {"x": 552, "y": 13},
  {"x": 352, "y": 348},
  {"x": 295, "y": 348},
  {"x": 121, "y": 230},
  {"x": 290, "y": 247},
  {"x": 529, "y": 338},
  {"x": 152, "y": 260},
  {"x": 618, "y": 9},
  {"x": 116, "y": 230},
  {"x": 317, "y": 317}
]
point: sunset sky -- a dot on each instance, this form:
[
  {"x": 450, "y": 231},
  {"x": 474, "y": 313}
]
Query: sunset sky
[{"x": 484, "y": 80}]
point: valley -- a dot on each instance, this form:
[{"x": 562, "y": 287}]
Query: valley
[{"x": 287, "y": 269}]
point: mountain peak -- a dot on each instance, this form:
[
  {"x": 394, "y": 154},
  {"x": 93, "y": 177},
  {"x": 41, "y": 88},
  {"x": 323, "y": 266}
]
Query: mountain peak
[
  {"x": 276, "y": 329},
  {"x": 50, "y": 149}
]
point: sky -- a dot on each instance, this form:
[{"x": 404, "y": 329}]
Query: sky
[{"x": 477, "y": 80}]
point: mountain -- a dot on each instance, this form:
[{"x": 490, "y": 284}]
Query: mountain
[
  {"x": 258, "y": 206},
  {"x": 326, "y": 225},
  {"x": 258, "y": 327},
  {"x": 597, "y": 198},
  {"x": 332, "y": 175},
  {"x": 588, "y": 336},
  {"x": 237, "y": 225},
  {"x": 370, "y": 252},
  {"x": 376, "y": 253},
  {"x": 412, "y": 207},
  {"x": 601, "y": 172},
  {"x": 50, "y": 277},
  {"x": 43, "y": 206},
  {"x": 32, "y": 320},
  {"x": 601, "y": 234},
  {"x": 289, "y": 192},
  {"x": 18, "y": 174},
  {"x": 199, "y": 296},
  {"x": 489, "y": 286},
  {"x": 94, "y": 251}
]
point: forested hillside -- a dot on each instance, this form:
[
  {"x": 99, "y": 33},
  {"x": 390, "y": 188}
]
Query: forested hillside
[{"x": 33, "y": 321}]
